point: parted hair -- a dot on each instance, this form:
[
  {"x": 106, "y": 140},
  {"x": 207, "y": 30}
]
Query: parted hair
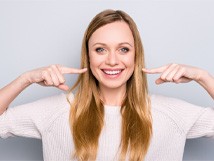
[{"x": 87, "y": 109}]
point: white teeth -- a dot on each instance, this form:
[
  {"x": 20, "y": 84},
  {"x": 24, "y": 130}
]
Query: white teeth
[{"x": 112, "y": 72}]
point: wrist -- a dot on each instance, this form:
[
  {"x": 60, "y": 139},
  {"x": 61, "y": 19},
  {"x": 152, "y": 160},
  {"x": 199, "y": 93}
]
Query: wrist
[
  {"x": 204, "y": 77},
  {"x": 24, "y": 80},
  {"x": 207, "y": 81}
]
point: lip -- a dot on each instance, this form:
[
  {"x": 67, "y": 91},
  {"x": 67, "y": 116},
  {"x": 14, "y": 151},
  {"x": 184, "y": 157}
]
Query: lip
[{"x": 112, "y": 73}]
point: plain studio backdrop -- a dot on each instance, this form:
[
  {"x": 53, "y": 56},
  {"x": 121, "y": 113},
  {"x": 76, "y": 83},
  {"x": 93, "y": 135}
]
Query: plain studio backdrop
[{"x": 36, "y": 33}]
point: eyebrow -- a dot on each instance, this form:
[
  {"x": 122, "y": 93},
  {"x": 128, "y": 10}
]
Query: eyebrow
[{"x": 122, "y": 43}]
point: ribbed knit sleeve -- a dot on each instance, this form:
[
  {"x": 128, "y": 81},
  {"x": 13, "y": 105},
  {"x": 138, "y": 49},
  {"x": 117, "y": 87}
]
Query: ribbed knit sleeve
[
  {"x": 204, "y": 125},
  {"x": 193, "y": 120},
  {"x": 29, "y": 120}
]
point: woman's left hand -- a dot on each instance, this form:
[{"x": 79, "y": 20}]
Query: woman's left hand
[{"x": 178, "y": 73}]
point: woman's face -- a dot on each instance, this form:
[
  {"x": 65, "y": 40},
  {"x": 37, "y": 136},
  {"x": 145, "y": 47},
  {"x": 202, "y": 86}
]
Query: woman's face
[{"x": 111, "y": 54}]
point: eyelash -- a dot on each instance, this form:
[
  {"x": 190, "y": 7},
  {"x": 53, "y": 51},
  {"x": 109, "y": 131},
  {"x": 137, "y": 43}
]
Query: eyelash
[
  {"x": 99, "y": 50},
  {"x": 126, "y": 50}
]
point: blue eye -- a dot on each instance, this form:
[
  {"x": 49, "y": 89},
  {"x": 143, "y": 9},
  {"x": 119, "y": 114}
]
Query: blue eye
[
  {"x": 124, "y": 50},
  {"x": 99, "y": 50}
]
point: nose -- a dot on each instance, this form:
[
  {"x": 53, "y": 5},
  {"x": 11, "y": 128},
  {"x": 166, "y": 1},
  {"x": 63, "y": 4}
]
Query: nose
[{"x": 112, "y": 59}]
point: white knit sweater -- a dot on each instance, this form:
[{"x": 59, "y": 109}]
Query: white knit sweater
[{"x": 48, "y": 119}]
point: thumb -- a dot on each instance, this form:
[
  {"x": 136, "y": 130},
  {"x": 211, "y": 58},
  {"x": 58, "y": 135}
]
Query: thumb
[
  {"x": 159, "y": 81},
  {"x": 63, "y": 87}
]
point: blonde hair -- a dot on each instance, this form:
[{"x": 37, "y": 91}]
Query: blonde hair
[{"x": 87, "y": 109}]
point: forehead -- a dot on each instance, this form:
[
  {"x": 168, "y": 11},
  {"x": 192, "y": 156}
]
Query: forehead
[{"x": 112, "y": 33}]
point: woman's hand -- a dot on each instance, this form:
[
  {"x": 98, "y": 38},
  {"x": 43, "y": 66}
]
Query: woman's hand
[
  {"x": 51, "y": 76},
  {"x": 178, "y": 73},
  {"x": 46, "y": 76}
]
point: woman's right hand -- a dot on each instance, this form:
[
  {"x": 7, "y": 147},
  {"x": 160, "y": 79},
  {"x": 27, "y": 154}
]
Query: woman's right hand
[
  {"x": 46, "y": 76},
  {"x": 52, "y": 75}
]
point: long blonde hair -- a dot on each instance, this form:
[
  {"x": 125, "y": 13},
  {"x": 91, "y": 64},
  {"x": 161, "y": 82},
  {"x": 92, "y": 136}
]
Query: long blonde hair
[{"x": 87, "y": 109}]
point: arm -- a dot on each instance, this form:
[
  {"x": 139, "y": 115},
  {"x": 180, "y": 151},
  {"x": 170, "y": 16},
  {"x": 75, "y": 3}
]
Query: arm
[
  {"x": 207, "y": 82},
  {"x": 46, "y": 76},
  {"x": 11, "y": 91},
  {"x": 178, "y": 73},
  {"x": 194, "y": 120}
]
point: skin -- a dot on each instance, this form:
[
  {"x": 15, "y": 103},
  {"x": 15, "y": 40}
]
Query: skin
[
  {"x": 112, "y": 57},
  {"x": 178, "y": 73},
  {"x": 111, "y": 48},
  {"x": 46, "y": 76}
]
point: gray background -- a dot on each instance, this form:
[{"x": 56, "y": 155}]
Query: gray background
[{"x": 39, "y": 33}]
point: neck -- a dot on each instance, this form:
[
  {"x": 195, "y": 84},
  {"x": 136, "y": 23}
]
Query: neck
[{"x": 112, "y": 96}]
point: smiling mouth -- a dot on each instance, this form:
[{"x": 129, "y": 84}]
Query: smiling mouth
[{"x": 112, "y": 72}]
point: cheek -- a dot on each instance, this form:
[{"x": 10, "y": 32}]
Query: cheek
[
  {"x": 95, "y": 62},
  {"x": 129, "y": 61},
  {"x": 130, "y": 65}
]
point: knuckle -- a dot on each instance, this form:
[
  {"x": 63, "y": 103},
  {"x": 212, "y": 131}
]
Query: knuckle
[
  {"x": 49, "y": 83},
  {"x": 175, "y": 79},
  {"x": 44, "y": 73},
  {"x": 56, "y": 84},
  {"x": 52, "y": 66},
  {"x": 58, "y": 65},
  {"x": 49, "y": 69},
  {"x": 63, "y": 80},
  {"x": 174, "y": 64},
  {"x": 162, "y": 77},
  {"x": 179, "y": 67},
  {"x": 169, "y": 79},
  {"x": 182, "y": 69}
]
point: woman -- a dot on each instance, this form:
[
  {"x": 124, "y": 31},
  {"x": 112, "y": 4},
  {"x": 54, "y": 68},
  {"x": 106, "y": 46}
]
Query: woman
[{"x": 110, "y": 117}]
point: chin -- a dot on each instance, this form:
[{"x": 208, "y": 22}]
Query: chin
[{"x": 112, "y": 85}]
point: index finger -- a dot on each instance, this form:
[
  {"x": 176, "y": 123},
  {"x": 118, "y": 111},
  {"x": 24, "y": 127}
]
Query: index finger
[
  {"x": 155, "y": 70},
  {"x": 66, "y": 70}
]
